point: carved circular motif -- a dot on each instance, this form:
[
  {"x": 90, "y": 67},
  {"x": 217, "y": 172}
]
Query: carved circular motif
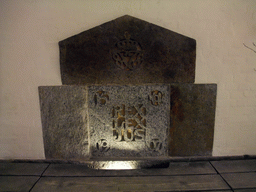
[{"x": 102, "y": 145}]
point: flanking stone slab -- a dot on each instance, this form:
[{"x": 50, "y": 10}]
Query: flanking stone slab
[
  {"x": 64, "y": 122},
  {"x": 127, "y": 50},
  {"x": 192, "y": 119},
  {"x": 129, "y": 121}
]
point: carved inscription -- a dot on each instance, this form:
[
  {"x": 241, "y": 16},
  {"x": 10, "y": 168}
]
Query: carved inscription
[
  {"x": 102, "y": 145},
  {"x": 101, "y": 97},
  {"x": 129, "y": 123},
  {"x": 156, "y": 97},
  {"x": 155, "y": 145},
  {"x": 129, "y": 54}
]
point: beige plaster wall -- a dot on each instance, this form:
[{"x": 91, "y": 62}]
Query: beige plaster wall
[{"x": 29, "y": 57}]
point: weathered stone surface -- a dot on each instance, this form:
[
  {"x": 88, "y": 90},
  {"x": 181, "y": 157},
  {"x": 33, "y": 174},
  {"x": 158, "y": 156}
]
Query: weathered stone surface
[
  {"x": 129, "y": 121},
  {"x": 64, "y": 122},
  {"x": 192, "y": 119},
  {"x": 127, "y": 50}
]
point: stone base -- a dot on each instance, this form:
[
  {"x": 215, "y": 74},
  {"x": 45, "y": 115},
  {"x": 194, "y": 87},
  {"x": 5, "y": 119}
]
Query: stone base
[{"x": 147, "y": 121}]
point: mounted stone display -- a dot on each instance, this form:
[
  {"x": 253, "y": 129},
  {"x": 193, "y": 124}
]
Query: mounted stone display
[{"x": 128, "y": 92}]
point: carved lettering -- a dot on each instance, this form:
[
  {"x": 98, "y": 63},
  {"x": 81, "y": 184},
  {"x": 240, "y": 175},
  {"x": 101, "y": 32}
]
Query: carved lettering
[
  {"x": 155, "y": 97},
  {"x": 102, "y": 145},
  {"x": 137, "y": 121},
  {"x": 100, "y": 98},
  {"x": 129, "y": 124},
  {"x": 155, "y": 145},
  {"x": 118, "y": 115}
]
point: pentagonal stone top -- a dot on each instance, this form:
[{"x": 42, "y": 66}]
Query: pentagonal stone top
[{"x": 127, "y": 50}]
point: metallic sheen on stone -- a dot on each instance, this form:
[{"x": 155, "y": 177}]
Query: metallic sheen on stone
[{"x": 127, "y": 50}]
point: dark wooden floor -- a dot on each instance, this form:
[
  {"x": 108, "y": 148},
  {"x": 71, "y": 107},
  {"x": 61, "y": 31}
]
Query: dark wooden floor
[{"x": 225, "y": 175}]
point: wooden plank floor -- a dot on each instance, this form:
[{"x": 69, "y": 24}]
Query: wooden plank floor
[{"x": 225, "y": 175}]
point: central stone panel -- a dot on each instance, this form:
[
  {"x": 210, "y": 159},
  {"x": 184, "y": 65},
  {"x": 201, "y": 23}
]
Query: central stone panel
[{"x": 129, "y": 121}]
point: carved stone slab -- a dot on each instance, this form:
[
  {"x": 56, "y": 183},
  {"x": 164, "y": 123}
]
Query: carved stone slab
[
  {"x": 64, "y": 122},
  {"x": 129, "y": 121},
  {"x": 192, "y": 119},
  {"x": 127, "y": 50}
]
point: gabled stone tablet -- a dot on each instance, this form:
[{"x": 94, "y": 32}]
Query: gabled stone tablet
[
  {"x": 129, "y": 121},
  {"x": 127, "y": 50}
]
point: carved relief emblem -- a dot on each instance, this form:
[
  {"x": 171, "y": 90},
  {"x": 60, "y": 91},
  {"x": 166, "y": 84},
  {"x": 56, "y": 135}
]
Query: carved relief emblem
[
  {"x": 128, "y": 54},
  {"x": 155, "y": 145},
  {"x": 102, "y": 145},
  {"x": 155, "y": 97}
]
